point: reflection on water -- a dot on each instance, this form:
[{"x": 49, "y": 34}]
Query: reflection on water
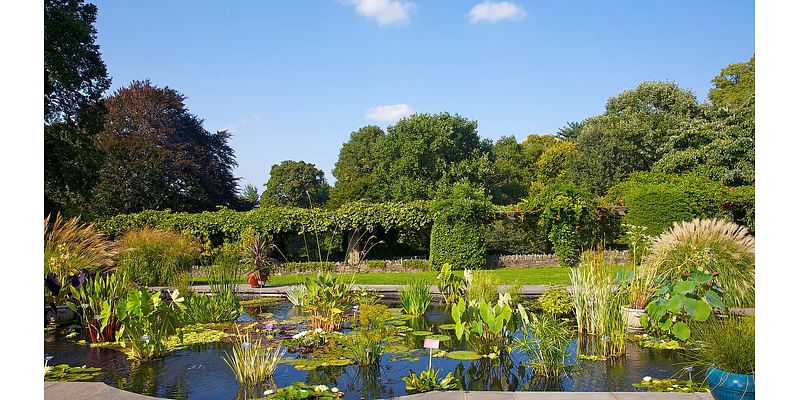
[{"x": 200, "y": 373}]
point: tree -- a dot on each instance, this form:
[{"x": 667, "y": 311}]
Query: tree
[
  {"x": 75, "y": 78},
  {"x": 249, "y": 197},
  {"x": 735, "y": 86},
  {"x": 511, "y": 173},
  {"x": 570, "y": 131},
  {"x": 295, "y": 184},
  {"x": 632, "y": 134},
  {"x": 555, "y": 161},
  {"x": 424, "y": 152},
  {"x": 159, "y": 156},
  {"x": 355, "y": 166}
]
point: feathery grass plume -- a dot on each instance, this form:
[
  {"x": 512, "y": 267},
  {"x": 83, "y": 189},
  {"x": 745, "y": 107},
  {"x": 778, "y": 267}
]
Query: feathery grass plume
[
  {"x": 712, "y": 246},
  {"x": 415, "y": 297},
  {"x": 251, "y": 362},
  {"x": 153, "y": 256}
]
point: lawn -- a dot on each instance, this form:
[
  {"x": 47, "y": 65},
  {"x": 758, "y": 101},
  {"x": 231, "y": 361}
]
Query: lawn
[{"x": 506, "y": 276}]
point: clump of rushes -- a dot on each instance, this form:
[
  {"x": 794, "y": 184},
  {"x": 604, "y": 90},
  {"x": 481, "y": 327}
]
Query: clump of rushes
[
  {"x": 251, "y": 362},
  {"x": 415, "y": 297},
  {"x": 544, "y": 340}
]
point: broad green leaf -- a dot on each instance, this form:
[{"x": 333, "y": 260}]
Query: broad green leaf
[
  {"x": 684, "y": 287},
  {"x": 714, "y": 300},
  {"x": 665, "y": 325},
  {"x": 698, "y": 309},
  {"x": 675, "y": 303},
  {"x": 681, "y": 330}
]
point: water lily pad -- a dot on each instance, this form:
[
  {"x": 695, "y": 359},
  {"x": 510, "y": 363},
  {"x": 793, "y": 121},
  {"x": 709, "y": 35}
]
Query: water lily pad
[
  {"x": 422, "y": 333},
  {"x": 464, "y": 355},
  {"x": 413, "y": 355},
  {"x": 441, "y": 338},
  {"x": 396, "y": 348},
  {"x": 396, "y": 322},
  {"x": 447, "y": 327}
]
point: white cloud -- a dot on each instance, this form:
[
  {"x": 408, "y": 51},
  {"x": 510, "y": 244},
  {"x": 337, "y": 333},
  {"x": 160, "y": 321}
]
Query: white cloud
[
  {"x": 384, "y": 12},
  {"x": 389, "y": 113},
  {"x": 489, "y": 11}
]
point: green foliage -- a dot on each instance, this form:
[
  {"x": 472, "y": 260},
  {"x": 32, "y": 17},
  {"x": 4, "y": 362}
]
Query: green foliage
[
  {"x": 157, "y": 155},
  {"x": 300, "y": 391},
  {"x": 367, "y": 343},
  {"x": 250, "y": 197},
  {"x": 728, "y": 344},
  {"x": 488, "y": 328},
  {"x": 220, "y": 306},
  {"x": 544, "y": 340},
  {"x": 415, "y": 297},
  {"x": 153, "y": 257},
  {"x": 376, "y": 265},
  {"x": 415, "y": 264},
  {"x": 297, "y": 295},
  {"x": 75, "y": 78},
  {"x": 327, "y": 298},
  {"x": 427, "y": 381},
  {"x": 306, "y": 267},
  {"x": 147, "y": 321},
  {"x": 355, "y": 167},
  {"x": 597, "y": 303},
  {"x": 96, "y": 301},
  {"x": 457, "y": 233},
  {"x": 295, "y": 184},
  {"x": 670, "y": 385},
  {"x": 554, "y": 164},
  {"x": 511, "y": 172},
  {"x": 711, "y": 246},
  {"x": 557, "y": 302},
  {"x": 66, "y": 373},
  {"x": 735, "y": 86},
  {"x": 516, "y": 236},
  {"x": 252, "y": 363},
  {"x": 451, "y": 286},
  {"x": 656, "y": 200},
  {"x": 680, "y": 302},
  {"x": 571, "y": 218}
]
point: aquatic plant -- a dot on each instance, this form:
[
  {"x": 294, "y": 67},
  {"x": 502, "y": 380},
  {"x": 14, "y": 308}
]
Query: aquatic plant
[
  {"x": 712, "y": 246},
  {"x": 250, "y": 362},
  {"x": 147, "y": 321},
  {"x": 451, "y": 286},
  {"x": 222, "y": 306},
  {"x": 67, "y": 373},
  {"x": 415, "y": 297},
  {"x": 488, "y": 328},
  {"x": 598, "y": 303},
  {"x": 680, "y": 302},
  {"x": 299, "y": 390},
  {"x": 557, "y": 301},
  {"x": 726, "y": 343},
  {"x": 481, "y": 285},
  {"x": 544, "y": 340},
  {"x": 427, "y": 381},
  {"x": 71, "y": 247},
  {"x": 327, "y": 298},
  {"x": 296, "y": 295},
  {"x": 153, "y": 257},
  {"x": 96, "y": 302},
  {"x": 670, "y": 385}
]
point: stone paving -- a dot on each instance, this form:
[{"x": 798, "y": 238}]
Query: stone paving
[{"x": 101, "y": 391}]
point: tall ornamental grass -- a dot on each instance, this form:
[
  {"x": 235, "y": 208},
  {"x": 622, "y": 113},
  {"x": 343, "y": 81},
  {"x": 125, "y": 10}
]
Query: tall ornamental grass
[
  {"x": 154, "y": 257},
  {"x": 711, "y": 246},
  {"x": 251, "y": 363},
  {"x": 728, "y": 344}
]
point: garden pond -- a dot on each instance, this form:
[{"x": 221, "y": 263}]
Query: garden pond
[{"x": 199, "y": 372}]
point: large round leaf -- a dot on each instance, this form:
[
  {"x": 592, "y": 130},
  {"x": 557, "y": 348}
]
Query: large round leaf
[
  {"x": 698, "y": 309},
  {"x": 681, "y": 330},
  {"x": 463, "y": 355}
]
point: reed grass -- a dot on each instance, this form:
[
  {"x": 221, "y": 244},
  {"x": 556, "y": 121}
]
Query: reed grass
[
  {"x": 415, "y": 297},
  {"x": 251, "y": 363}
]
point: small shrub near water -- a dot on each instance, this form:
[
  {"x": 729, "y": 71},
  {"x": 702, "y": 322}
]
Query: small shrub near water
[
  {"x": 557, "y": 302},
  {"x": 153, "y": 257}
]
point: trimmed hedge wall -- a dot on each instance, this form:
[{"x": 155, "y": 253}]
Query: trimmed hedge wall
[
  {"x": 457, "y": 236},
  {"x": 655, "y": 200}
]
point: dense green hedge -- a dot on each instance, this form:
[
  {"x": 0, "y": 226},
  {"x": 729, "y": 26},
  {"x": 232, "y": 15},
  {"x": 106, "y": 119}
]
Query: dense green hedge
[
  {"x": 655, "y": 200},
  {"x": 457, "y": 235}
]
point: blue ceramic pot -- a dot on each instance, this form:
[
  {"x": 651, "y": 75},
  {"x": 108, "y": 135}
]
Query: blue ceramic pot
[{"x": 726, "y": 385}]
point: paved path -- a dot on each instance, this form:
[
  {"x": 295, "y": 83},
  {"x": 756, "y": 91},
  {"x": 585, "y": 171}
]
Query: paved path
[{"x": 101, "y": 391}]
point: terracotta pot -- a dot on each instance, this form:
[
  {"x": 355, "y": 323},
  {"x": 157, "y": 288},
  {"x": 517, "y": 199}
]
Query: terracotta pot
[
  {"x": 254, "y": 278},
  {"x": 631, "y": 318}
]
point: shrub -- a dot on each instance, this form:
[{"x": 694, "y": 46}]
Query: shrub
[
  {"x": 516, "y": 236},
  {"x": 415, "y": 264},
  {"x": 376, "y": 265},
  {"x": 557, "y": 302},
  {"x": 153, "y": 257},
  {"x": 305, "y": 267},
  {"x": 655, "y": 200},
  {"x": 457, "y": 236},
  {"x": 720, "y": 248}
]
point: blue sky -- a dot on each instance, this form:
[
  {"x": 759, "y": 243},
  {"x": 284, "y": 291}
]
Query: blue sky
[{"x": 292, "y": 79}]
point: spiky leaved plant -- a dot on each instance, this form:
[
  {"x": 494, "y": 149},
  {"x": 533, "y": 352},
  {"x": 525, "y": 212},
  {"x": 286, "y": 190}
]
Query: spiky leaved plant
[
  {"x": 251, "y": 362},
  {"x": 712, "y": 246}
]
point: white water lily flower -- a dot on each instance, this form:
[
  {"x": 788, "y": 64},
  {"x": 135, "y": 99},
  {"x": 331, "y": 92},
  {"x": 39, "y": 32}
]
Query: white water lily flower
[
  {"x": 320, "y": 388},
  {"x": 647, "y": 379},
  {"x": 300, "y": 334},
  {"x": 335, "y": 390},
  {"x": 268, "y": 392}
]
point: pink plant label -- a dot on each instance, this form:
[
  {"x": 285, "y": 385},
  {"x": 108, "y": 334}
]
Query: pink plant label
[{"x": 431, "y": 344}]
